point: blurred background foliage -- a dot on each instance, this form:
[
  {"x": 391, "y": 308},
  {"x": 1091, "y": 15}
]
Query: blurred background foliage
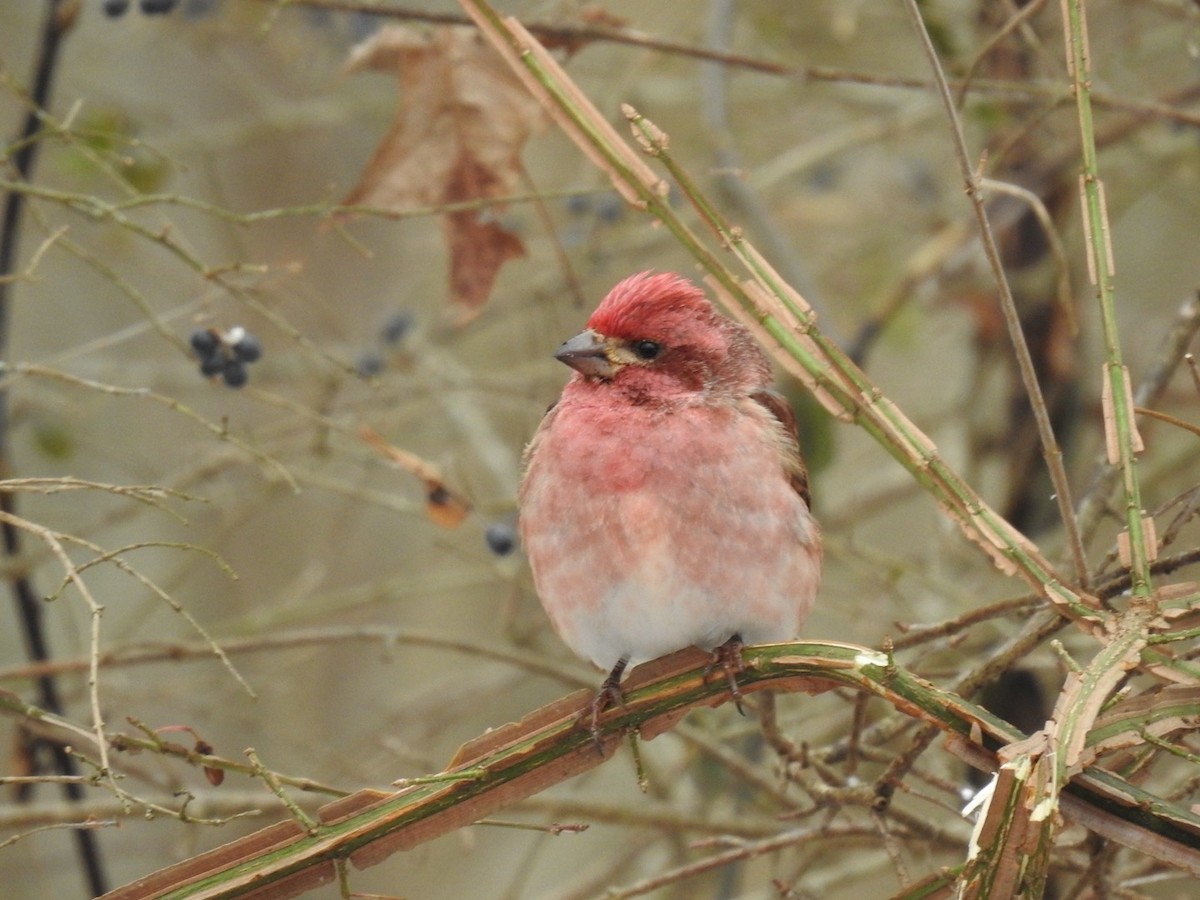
[{"x": 187, "y": 166}]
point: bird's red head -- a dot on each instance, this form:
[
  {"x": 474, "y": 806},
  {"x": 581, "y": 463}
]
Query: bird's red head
[
  {"x": 662, "y": 302},
  {"x": 657, "y": 335}
]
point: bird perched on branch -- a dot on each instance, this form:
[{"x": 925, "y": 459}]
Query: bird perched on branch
[{"x": 664, "y": 502}]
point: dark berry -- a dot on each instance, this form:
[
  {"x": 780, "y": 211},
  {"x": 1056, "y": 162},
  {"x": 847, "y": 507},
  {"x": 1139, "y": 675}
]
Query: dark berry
[
  {"x": 198, "y": 9},
  {"x": 115, "y": 8},
  {"x": 212, "y": 365},
  {"x": 234, "y": 372},
  {"x": 247, "y": 348},
  {"x": 610, "y": 208},
  {"x": 578, "y": 204},
  {"x": 396, "y": 327},
  {"x": 369, "y": 364},
  {"x": 157, "y": 7},
  {"x": 204, "y": 342},
  {"x": 501, "y": 538}
]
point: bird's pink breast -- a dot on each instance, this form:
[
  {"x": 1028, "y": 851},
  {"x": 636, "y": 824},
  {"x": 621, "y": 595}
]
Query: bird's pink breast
[{"x": 670, "y": 528}]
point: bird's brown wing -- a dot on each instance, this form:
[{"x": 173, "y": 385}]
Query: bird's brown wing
[
  {"x": 793, "y": 463},
  {"x": 546, "y": 416}
]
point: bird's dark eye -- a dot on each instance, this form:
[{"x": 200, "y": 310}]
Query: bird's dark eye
[{"x": 647, "y": 350}]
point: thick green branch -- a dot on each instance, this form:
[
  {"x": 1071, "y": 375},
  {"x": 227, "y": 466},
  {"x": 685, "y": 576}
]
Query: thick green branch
[{"x": 552, "y": 744}]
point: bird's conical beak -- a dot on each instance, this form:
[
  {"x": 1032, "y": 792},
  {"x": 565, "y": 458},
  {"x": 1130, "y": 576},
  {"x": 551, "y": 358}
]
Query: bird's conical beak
[{"x": 585, "y": 353}]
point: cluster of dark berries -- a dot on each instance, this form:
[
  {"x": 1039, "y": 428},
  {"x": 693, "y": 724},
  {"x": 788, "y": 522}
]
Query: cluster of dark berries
[
  {"x": 226, "y": 353},
  {"x": 115, "y": 8}
]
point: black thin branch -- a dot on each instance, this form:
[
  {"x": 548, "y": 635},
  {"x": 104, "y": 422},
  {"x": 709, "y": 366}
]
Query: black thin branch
[{"x": 60, "y": 15}]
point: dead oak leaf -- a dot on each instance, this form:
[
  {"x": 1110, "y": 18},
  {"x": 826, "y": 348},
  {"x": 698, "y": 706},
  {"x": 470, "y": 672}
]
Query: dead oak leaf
[{"x": 457, "y": 137}]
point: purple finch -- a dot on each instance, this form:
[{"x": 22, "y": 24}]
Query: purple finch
[{"x": 664, "y": 502}]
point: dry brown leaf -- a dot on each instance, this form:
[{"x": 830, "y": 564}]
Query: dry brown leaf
[
  {"x": 457, "y": 137},
  {"x": 444, "y": 506}
]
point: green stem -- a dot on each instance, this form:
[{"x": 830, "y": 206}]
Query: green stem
[{"x": 1119, "y": 423}]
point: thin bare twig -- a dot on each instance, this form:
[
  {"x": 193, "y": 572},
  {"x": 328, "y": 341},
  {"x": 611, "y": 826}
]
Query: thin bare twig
[{"x": 1051, "y": 451}]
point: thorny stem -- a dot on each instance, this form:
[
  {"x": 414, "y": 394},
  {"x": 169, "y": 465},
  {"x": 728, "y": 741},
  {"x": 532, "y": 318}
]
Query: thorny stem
[
  {"x": 1172, "y": 351},
  {"x": 1120, "y": 428}
]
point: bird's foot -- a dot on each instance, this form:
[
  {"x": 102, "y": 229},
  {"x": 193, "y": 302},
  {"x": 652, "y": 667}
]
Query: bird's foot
[
  {"x": 729, "y": 657},
  {"x": 608, "y": 696}
]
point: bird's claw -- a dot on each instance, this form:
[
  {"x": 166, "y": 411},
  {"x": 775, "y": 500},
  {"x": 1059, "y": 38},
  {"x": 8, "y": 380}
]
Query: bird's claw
[
  {"x": 608, "y": 696},
  {"x": 729, "y": 657}
]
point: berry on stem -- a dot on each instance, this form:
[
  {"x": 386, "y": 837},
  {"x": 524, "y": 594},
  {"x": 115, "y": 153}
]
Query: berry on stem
[
  {"x": 396, "y": 327},
  {"x": 157, "y": 7},
  {"x": 247, "y": 348},
  {"x": 234, "y": 373},
  {"x": 205, "y": 342},
  {"x": 212, "y": 365},
  {"x": 369, "y": 364},
  {"x": 501, "y": 538},
  {"x": 578, "y": 204}
]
